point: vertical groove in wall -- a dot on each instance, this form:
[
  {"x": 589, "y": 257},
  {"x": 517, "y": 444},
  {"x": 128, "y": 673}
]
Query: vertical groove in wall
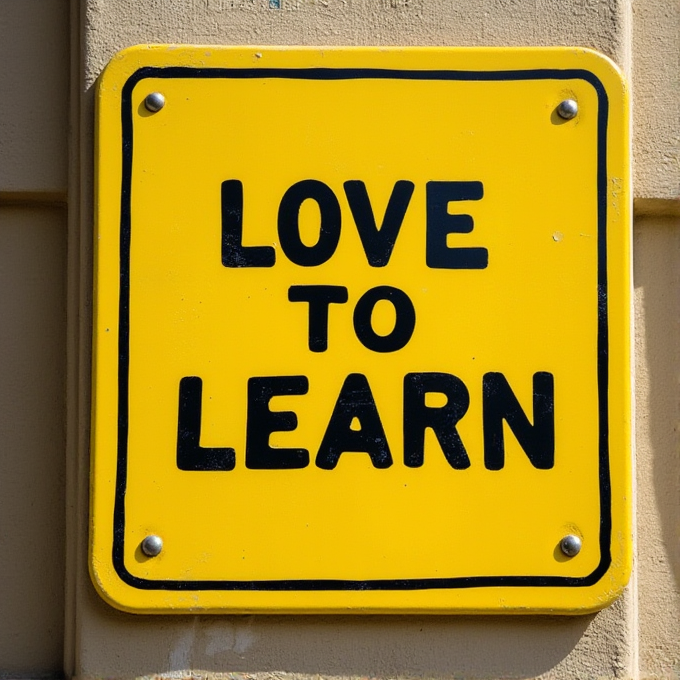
[
  {"x": 627, "y": 39},
  {"x": 73, "y": 451}
]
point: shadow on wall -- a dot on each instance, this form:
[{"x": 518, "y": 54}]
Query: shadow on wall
[
  {"x": 385, "y": 647},
  {"x": 269, "y": 647},
  {"x": 657, "y": 283}
]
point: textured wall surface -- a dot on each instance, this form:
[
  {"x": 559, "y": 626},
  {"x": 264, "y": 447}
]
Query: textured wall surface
[{"x": 109, "y": 26}]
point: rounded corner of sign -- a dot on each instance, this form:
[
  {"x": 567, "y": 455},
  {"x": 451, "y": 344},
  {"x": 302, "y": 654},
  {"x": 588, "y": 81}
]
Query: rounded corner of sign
[
  {"x": 605, "y": 592},
  {"x": 137, "y": 54},
  {"x": 105, "y": 581},
  {"x": 605, "y": 69},
  {"x": 117, "y": 67},
  {"x": 602, "y": 599},
  {"x": 600, "y": 58},
  {"x": 124, "y": 64},
  {"x": 112, "y": 589}
]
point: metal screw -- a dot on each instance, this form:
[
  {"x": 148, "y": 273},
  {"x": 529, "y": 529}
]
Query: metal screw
[
  {"x": 154, "y": 102},
  {"x": 152, "y": 545},
  {"x": 567, "y": 109},
  {"x": 571, "y": 545}
]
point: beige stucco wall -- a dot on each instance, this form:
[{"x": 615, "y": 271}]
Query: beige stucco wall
[{"x": 52, "y": 618}]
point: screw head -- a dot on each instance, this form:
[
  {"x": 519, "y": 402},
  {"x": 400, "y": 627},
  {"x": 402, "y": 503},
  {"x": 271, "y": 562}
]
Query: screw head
[
  {"x": 154, "y": 102},
  {"x": 567, "y": 109},
  {"x": 152, "y": 545},
  {"x": 571, "y": 545}
]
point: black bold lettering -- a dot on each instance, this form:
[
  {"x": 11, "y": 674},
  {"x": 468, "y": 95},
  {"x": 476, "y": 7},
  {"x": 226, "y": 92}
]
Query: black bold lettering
[
  {"x": 378, "y": 243},
  {"x": 262, "y": 422},
  {"x": 500, "y": 403},
  {"x": 440, "y": 223},
  {"x": 191, "y": 456},
  {"x": 289, "y": 223},
  {"x": 403, "y": 326},
  {"x": 234, "y": 254},
  {"x": 442, "y": 419},
  {"x": 319, "y": 298},
  {"x": 355, "y": 401}
]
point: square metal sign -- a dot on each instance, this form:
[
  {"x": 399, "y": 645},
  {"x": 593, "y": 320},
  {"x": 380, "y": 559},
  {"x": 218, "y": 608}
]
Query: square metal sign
[{"x": 362, "y": 331}]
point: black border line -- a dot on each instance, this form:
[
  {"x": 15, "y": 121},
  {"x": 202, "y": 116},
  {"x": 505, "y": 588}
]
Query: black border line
[{"x": 124, "y": 332}]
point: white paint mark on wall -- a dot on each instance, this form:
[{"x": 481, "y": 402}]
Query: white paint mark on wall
[
  {"x": 237, "y": 637},
  {"x": 182, "y": 647}
]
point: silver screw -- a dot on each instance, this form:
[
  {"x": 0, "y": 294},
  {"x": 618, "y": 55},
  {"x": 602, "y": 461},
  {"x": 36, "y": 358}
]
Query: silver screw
[
  {"x": 154, "y": 102},
  {"x": 567, "y": 109},
  {"x": 152, "y": 545},
  {"x": 571, "y": 545}
]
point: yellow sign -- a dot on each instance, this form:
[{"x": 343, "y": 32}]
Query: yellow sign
[{"x": 362, "y": 335}]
